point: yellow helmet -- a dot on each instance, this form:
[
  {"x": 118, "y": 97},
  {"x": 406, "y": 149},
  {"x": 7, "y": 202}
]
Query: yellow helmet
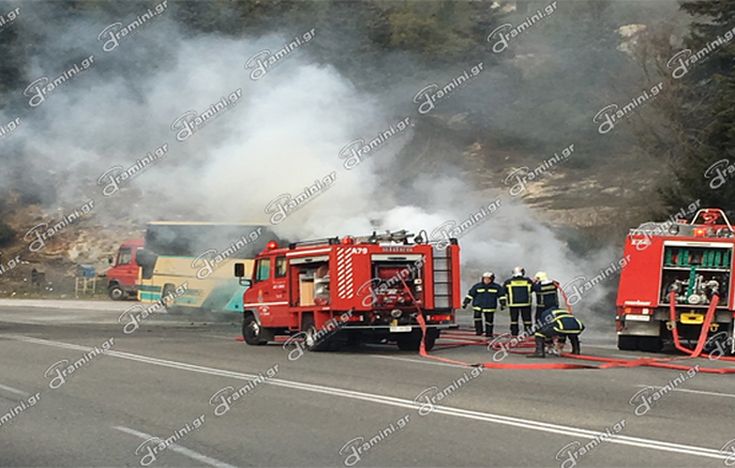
[{"x": 541, "y": 276}]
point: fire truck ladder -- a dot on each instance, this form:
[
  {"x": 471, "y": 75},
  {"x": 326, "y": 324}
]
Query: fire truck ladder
[{"x": 442, "y": 277}]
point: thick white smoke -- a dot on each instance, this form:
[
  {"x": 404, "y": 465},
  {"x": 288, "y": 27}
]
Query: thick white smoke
[{"x": 283, "y": 133}]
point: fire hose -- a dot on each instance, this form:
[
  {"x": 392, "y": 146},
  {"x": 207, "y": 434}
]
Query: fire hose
[
  {"x": 709, "y": 318},
  {"x": 606, "y": 363}
]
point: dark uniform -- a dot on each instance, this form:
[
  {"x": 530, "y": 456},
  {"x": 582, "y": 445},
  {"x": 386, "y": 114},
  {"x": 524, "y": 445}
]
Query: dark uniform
[
  {"x": 485, "y": 300},
  {"x": 547, "y": 296},
  {"x": 519, "y": 301},
  {"x": 558, "y": 322}
]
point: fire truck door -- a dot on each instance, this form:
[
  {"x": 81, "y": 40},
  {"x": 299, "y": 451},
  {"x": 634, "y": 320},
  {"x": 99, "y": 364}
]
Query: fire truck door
[
  {"x": 263, "y": 288},
  {"x": 280, "y": 280}
]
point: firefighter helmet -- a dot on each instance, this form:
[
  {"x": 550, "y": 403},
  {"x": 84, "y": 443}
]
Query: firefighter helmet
[
  {"x": 489, "y": 274},
  {"x": 541, "y": 276},
  {"x": 518, "y": 271}
]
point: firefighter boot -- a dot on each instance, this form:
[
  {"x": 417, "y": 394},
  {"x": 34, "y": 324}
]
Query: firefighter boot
[
  {"x": 574, "y": 339},
  {"x": 540, "y": 351}
]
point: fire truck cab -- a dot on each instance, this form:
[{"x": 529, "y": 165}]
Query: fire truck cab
[
  {"x": 692, "y": 262},
  {"x": 332, "y": 291},
  {"x": 123, "y": 272}
]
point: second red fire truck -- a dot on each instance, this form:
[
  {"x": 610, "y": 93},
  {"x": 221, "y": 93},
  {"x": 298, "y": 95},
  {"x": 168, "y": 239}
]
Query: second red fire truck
[
  {"x": 369, "y": 288},
  {"x": 673, "y": 272}
]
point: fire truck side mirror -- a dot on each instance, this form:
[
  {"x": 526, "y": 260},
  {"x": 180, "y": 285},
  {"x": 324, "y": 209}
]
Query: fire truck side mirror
[{"x": 240, "y": 274}]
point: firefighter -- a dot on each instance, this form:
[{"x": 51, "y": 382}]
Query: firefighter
[
  {"x": 559, "y": 323},
  {"x": 518, "y": 289},
  {"x": 547, "y": 294},
  {"x": 485, "y": 297}
]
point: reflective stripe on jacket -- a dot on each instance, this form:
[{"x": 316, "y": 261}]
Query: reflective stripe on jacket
[
  {"x": 519, "y": 291},
  {"x": 561, "y": 322},
  {"x": 547, "y": 295},
  {"x": 485, "y": 297}
]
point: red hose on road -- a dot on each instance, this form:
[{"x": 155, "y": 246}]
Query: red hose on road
[
  {"x": 608, "y": 363},
  {"x": 666, "y": 363}
]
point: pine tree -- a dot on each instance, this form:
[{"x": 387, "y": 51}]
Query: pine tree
[{"x": 707, "y": 114}]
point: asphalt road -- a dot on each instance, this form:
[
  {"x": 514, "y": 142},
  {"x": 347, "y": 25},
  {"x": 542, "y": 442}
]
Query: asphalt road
[{"x": 171, "y": 378}]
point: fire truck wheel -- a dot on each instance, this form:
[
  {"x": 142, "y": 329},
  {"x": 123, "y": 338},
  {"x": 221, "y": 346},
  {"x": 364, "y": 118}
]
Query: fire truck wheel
[
  {"x": 627, "y": 343},
  {"x": 651, "y": 344},
  {"x": 115, "y": 292},
  {"x": 251, "y": 331},
  {"x": 311, "y": 340}
]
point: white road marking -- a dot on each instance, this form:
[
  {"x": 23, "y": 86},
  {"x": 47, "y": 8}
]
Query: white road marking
[
  {"x": 219, "y": 337},
  {"x": 14, "y": 390},
  {"x": 178, "y": 449},
  {"x": 431, "y": 363},
  {"x": 403, "y": 403},
  {"x": 686, "y": 390}
]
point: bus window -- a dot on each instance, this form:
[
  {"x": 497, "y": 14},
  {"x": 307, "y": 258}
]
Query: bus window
[
  {"x": 281, "y": 267},
  {"x": 263, "y": 269}
]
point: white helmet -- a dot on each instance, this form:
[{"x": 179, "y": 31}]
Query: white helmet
[
  {"x": 518, "y": 271},
  {"x": 488, "y": 274}
]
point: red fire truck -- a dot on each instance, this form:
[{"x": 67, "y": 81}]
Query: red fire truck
[
  {"x": 689, "y": 262},
  {"x": 370, "y": 288}
]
